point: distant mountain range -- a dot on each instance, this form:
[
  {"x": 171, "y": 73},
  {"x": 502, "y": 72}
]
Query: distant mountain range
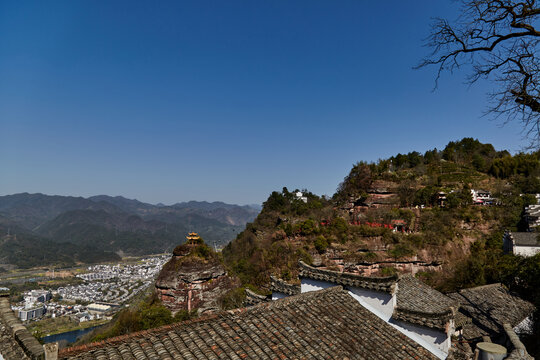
[{"x": 38, "y": 229}]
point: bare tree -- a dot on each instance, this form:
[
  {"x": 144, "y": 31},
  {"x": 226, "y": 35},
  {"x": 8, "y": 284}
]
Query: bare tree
[{"x": 499, "y": 40}]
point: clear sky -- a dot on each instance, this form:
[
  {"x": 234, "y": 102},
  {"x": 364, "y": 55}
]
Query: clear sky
[{"x": 168, "y": 101}]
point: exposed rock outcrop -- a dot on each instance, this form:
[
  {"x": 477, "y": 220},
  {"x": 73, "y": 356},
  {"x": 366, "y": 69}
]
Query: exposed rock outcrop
[{"x": 194, "y": 278}]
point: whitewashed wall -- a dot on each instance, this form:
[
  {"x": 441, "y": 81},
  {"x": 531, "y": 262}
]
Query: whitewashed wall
[
  {"x": 436, "y": 341},
  {"x": 277, "y": 295},
  {"x": 307, "y": 285},
  {"x": 526, "y": 250},
  {"x": 378, "y": 302}
]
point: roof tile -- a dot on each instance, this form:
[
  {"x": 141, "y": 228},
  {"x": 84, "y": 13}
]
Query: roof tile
[
  {"x": 489, "y": 307},
  {"x": 525, "y": 238}
]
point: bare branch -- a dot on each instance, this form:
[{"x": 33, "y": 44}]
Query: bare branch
[{"x": 500, "y": 42}]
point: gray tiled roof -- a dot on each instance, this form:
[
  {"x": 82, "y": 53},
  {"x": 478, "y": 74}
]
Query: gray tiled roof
[
  {"x": 526, "y": 238},
  {"x": 326, "y": 324},
  {"x": 489, "y": 307},
  {"x": 386, "y": 284},
  {"x": 414, "y": 295},
  {"x": 421, "y": 304}
]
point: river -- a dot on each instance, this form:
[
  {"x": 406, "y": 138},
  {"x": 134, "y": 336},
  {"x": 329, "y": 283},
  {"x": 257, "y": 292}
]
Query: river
[{"x": 70, "y": 336}]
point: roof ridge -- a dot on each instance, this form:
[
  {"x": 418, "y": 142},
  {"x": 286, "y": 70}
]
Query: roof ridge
[
  {"x": 121, "y": 338},
  {"x": 284, "y": 301},
  {"x": 275, "y": 278},
  {"x": 419, "y": 303},
  {"x": 280, "y": 285},
  {"x": 385, "y": 284},
  {"x": 27, "y": 342},
  {"x": 249, "y": 291},
  {"x": 487, "y": 286}
]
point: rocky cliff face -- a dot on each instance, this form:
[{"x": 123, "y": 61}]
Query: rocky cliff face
[{"x": 190, "y": 281}]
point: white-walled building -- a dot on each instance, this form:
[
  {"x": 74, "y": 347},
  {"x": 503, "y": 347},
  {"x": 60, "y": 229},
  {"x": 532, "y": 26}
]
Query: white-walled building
[
  {"x": 521, "y": 243},
  {"x": 300, "y": 196},
  {"x": 98, "y": 308},
  {"x": 414, "y": 309},
  {"x": 481, "y": 197},
  {"x": 532, "y": 215},
  {"x": 36, "y": 296},
  {"x": 30, "y": 313}
]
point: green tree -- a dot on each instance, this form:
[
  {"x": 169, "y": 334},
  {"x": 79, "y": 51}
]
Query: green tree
[
  {"x": 406, "y": 192},
  {"x": 356, "y": 184},
  {"x": 155, "y": 315},
  {"x": 321, "y": 244},
  {"x": 426, "y": 196}
]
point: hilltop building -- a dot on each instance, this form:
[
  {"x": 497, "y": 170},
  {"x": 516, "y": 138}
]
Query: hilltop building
[
  {"x": 193, "y": 239},
  {"x": 532, "y": 215},
  {"x": 441, "y": 199},
  {"x": 521, "y": 243},
  {"x": 482, "y": 197},
  {"x": 300, "y": 196}
]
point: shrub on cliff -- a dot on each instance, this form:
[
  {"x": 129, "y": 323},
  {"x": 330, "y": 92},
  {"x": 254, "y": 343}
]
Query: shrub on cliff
[
  {"x": 146, "y": 315},
  {"x": 132, "y": 319}
]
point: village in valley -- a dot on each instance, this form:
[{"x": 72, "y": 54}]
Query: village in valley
[{"x": 105, "y": 290}]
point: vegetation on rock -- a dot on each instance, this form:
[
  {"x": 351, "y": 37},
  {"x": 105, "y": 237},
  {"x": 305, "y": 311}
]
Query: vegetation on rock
[{"x": 465, "y": 238}]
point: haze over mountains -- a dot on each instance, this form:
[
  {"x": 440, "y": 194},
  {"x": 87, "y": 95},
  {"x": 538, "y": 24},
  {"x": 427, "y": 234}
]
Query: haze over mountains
[{"x": 38, "y": 229}]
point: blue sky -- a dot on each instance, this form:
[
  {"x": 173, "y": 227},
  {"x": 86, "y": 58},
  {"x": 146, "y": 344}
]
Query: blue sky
[{"x": 221, "y": 100}]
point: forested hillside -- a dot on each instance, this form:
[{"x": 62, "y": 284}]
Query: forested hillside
[{"x": 37, "y": 229}]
